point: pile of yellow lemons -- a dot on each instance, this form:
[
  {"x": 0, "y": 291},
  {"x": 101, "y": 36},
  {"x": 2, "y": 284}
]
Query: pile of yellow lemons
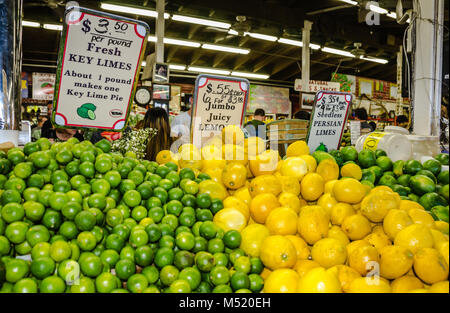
[{"x": 315, "y": 227}]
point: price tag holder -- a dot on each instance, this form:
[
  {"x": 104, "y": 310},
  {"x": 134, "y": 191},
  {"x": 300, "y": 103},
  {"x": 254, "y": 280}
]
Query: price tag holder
[
  {"x": 328, "y": 120},
  {"x": 98, "y": 66},
  {"x": 218, "y": 101}
]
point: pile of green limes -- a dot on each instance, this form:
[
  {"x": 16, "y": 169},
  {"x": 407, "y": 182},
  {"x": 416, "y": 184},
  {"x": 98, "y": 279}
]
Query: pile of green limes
[{"x": 76, "y": 217}]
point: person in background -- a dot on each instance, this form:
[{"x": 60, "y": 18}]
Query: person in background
[
  {"x": 181, "y": 124},
  {"x": 361, "y": 115},
  {"x": 373, "y": 125},
  {"x": 402, "y": 121},
  {"x": 302, "y": 115},
  {"x": 157, "y": 118},
  {"x": 48, "y": 131},
  {"x": 36, "y": 132},
  {"x": 257, "y": 127}
]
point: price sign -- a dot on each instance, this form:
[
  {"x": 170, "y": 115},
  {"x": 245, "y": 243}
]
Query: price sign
[
  {"x": 218, "y": 102},
  {"x": 99, "y": 61},
  {"x": 328, "y": 120}
]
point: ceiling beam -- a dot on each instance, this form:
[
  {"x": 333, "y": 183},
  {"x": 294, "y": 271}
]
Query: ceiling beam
[
  {"x": 195, "y": 56},
  {"x": 279, "y": 66},
  {"x": 219, "y": 58},
  {"x": 264, "y": 59}
]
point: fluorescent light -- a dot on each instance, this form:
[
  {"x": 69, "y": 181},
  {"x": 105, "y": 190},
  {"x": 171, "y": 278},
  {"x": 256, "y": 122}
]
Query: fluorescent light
[
  {"x": 261, "y": 36},
  {"x": 372, "y": 59},
  {"x": 336, "y": 51},
  {"x": 30, "y": 24},
  {"x": 131, "y": 10},
  {"x": 377, "y": 9},
  {"x": 291, "y": 42},
  {"x": 53, "y": 27},
  {"x": 350, "y": 2},
  {"x": 177, "y": 67},
  {"x": 392, "y": 15},
  {"x": 233, "y": 32},
  {"x": 179, "y": 42},
  {"x": 250, "y": 75},
  {"x": 225, "y": 48},
  {"x": 143, "y": 63},
  {"x": 152, "y": 38},
  {"x": 208, "y": 70},
  {"x": 201, "y": 21},
  {"x": 297, "y": 43}
]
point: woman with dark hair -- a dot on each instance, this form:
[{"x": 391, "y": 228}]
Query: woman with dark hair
[
  {"x": 158, "y": 119},
  {"x": 361, "y": 115}
]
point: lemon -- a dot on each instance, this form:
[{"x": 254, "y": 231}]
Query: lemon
[
  {"x": 422, "y": 290},
  {"x": 213, "y": 164},
  {"x": 405, "y": 284},
  {"x": 329, "y": 252},
  {"x": 345, "y": 274},
  {"x": 376, "y": 205},
  {"x": 327, "y": 201},
  {"x": 234, "y": 202},
  {"x": 351, "y": 170},
  {"x": 443, "y": 250},
  {"x": 243, "y": 194},
  {"x": 190, "y": 157},
  {"x": 419, "y": 216},
  {"x": 289, "y": 184},
  {"x": 395, "y": 221},
  {"x": 310, "y": 161},
  {"x": 252, "y": 238},
  {"x": 438, "y": 238},
  {"x": 282, "y": 221},
  {"x": 230, "y": 219},
  {"x": 408, "y": 204},
  {"x": 294, "y": 167},
  {"x": 264, "y": 184},
  {"x": 395, "y": 261},
  {"x": 164, "y": 156},
  {"x": 312, "y": 186},
  {"x": 313, "y": 223},
  {"x": 318, "y": 280},
  {"x": 304, "y": 266},
  {"x": 329, "y": 186},
  {"x": 302, "y": 248},
  {"x": 349, "y": 190},
  {"x": 340, "y": 211},
  {"x": 440, "y": 287},
  {"x": 254, "y": 146},
  {"x": 378, "y": 240},
  {"x": 214, "y": 172},
  {"x": 430, "y": 266},
  {"x": 441, "y": 226},
  {"x": 328, "y": 169},
  {"x": 297, "y": 148},
  {"x": 363, "y": 259},
  {"x": 369, "y": 285},
  {"x": 414, "y": 237},
  {"x": 337, "y": 233},
  {"x": 281, "y": 281},
  {"x": 278, "y": 252},
  {"x": 214, "y": 189},
  {"x": 289, "y": 200},
  {"x": 211, "y": 152},
  {"x": 232, "y": 134},
  {"x": 356, "y": 226}
]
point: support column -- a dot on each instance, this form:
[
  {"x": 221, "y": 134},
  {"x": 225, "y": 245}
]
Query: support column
[
  {"x": 305, "y": 55},
  {"x": 427, "y": 68},
  {"x": 159, "y": 50},
  {"x": 10, "y": 69}
]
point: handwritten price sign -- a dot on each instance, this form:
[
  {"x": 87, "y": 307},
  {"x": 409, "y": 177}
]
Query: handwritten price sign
[
  {"x": 329, "y": 116},
  {"x": 218, "y": 102},
  {"x": 99, "y": 60}
]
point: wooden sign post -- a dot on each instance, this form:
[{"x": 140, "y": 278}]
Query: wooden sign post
[
  {"x": 328, "y": 120},
  {"x": 218, "y": 101},
  {"x": 98, "y": 64}
]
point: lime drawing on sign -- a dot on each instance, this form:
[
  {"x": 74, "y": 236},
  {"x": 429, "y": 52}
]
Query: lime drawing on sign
[{"x": 87, "y": 111}]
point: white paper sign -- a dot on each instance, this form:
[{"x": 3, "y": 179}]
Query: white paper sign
[
  {"x": 218, "y": 102},
  {"x": 328, "y": 120},
  {"x": 316, "y": 85},
  {"x": 355, "y": 131},
  {"x": 100, "y": 58},
  {"x": 43, "y": 86}
]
